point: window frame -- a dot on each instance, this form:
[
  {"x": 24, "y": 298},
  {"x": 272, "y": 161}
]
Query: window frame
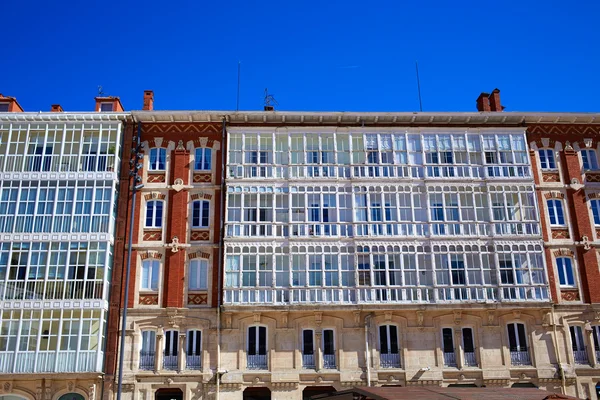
[
  {"x": 104, "y": 104},
  {"x": 146, "y": 285},
  {"x": 257, "y": 347},
  {"x": 159, "y": 152},
  {"x": 518, "y": 343},
  {"x": 203, "y": 208},
  {"x": 577, "y": 338},
  {"x": 547, "y": 157},
  {"x": 592, "y": 162},
  {"x": 595, "y": 209},
  {"x": 152, "y": 208},
  {"x": 196, "y": 345},
  {"x": 563, "y": 276},
  {"x": 389, "y": 339},
  {"x": 200, "y": 159},
  {"x": 198, "y": 284},
  {"x": 556, "y": 212}
]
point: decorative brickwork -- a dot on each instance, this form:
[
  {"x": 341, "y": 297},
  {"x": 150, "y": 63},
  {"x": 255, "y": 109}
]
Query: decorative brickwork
[
  {"x": 593, "y": 195},
  {"x": 197, "y": 298},
  {"x": 156, "y": 178},
  {"x": 201, "y": 196},
  {"x": 200, "y": 178},
  {"x": 207, "y": 143},
  {"x": 173, "y": 128},
  {"x": 560, "y": 233},
  {"x": 554, "y": 195},
  {"x": 144, "y": 255},
  {"x": 563, "y": 252},
  {"x": 157, "y": 142},
  {"x": 577, "y": 130},
  {"x": 152, "y": 235},
  {"x": 154, "y": 196},
  {"x": 569, "y": 295},
  {"x": 198, "y": 254},
  {"x": 592, "y": 177},
  {"x": 550, "y": 177},
  {"x": 148, "y": 299},
  {"x": 200, "y": 235}
]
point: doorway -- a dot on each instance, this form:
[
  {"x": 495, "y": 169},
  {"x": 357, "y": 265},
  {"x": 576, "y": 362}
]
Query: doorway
[{"x": 168, "y": 394}]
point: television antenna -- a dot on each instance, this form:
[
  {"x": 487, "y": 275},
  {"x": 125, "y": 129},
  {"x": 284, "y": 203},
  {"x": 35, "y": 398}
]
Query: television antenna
[
  {"x": 100, "y": 91},
  {"x": 269, "y": 99}
]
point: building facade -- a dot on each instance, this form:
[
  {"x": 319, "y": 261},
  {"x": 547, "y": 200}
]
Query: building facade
[
  {"x": 382, "y": 249},
  {"x": 58, "y": 191},
  {"x": 564, "y": 156},
  {"x": 171, "y": 336}
]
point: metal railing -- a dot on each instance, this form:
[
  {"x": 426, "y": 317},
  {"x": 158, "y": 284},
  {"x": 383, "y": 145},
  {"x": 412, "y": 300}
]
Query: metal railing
[
  {"x": 520, "y": 358},
  {"x": 52, "y": 290},
  {"x": 193, "y": 362},
  {"x": 389, "y": 360},
  {"x": 170, "y": 362},
  {"x": 60, "y": 163},
  {"x": 329, "y": 361},
  {"x": 449, "y": 359},
  {"x": 49, "y": 361},
  {"x": 147, "y": 360},
  {"x": 256, "y": 361},
  {"x": 470, "y": 359},
  {"x": 308, "y": 361},
  {"x": 580, "y": 356}
]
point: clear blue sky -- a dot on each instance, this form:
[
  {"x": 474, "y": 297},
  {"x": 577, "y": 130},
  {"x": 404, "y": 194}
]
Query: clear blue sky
[{"x": 312, "y": 55}]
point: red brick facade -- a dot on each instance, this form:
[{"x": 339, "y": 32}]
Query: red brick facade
[{"x": 569, "y": 182}]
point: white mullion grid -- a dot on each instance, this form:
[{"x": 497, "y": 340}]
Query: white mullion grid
[
  {"x": 37, "y": 201},
  {"x": 59, "y": 337},
  {"x": 44, "y": 149},
  {"x": 61, "y": 154},
  {"x": 99, "y": 150},
  {"x": 75, "y": 188},
  {"x": 8, "y": 143},
  {"x": 26, "y": 148},
  {"x": 490, "y": 207},
  {"x": 99, "y": 358},
  {"x": 479, "y": 254},
  {"x": 39, "y": 340},
  {"x": 335, "y": 155},
  {"x": 304, "y": 160},
  {"x": 418, "y": 271},
  {"x": 18, "y": 343},
  {"x": 117, "y": 144},
  {"x": 497, "y": 270},
  {"x": 273, "y": 270},
  {"x": 81, "y": 145},
  {"x": 79, "y": 333}
]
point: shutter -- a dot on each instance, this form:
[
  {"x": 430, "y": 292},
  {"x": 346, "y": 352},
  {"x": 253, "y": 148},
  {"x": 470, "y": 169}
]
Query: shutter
[
  {"x": 262, "y": 340},
  {"x": 252, "y": 340},
  {"x": 383, "y": 339},
  {"x": 522, "y": 338},
  {"x": 512, "y": 339},
  {"x": 394, "y": 347}
]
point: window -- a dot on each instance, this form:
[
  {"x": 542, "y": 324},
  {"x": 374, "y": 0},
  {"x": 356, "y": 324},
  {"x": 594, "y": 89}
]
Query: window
[
  {"x": 555, "y": 210},
  {"x": 388, "y": 339},
  {"x": 589, "y": 159},
  {"x": 577, "y": 338},
  {"x": 257, "y": 340},
  {"x": 154, "y": 214},
  {"x": 200, "y": 214},
  {"x": 171, "y": 343},
  {"x": 595, "y": 204},
  {"x": 158, "y": 159},
  {"x": 328, "y": 349},
  {"x": 448, "y": 347},
  {"x": 596, "y": 336},
  {"x": 547, "y": 160},
  {"x": 194, "y": 349},
  {"x": 468, "y": 342},
  {"x": 308, "y": 348},
  {"x": 565, "y": 271},
  {"x": 106, "y": 107},
  {"x": 516, "y": 337},
  {"x": 4, "y": 107},
  {"x": 148, "y": 350},
  {"x": 202, "y": 160},
  {"x": 198, "y": 275},
  {"x": 150, "y": 269}
]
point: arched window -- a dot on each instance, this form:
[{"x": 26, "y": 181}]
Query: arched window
[
  {"x": 203, "y": 159},
  {"x": 556, "y": 213},
  {"x": 158, "y": 159},
  {"x": 154, "y": 214},
  {"x": 70, "y": 396},
  {"x": 198, "y": 275},
  {"x": 589, "y": 159},
  {"x": 547, "y": 160},
  {"x": 150, "y": 271},
  {"x": 200, "y": 214},
  {"x": 564, "y": 265}
]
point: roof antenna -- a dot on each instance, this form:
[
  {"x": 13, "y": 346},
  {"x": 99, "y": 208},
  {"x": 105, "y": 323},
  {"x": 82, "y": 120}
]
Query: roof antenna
[
  {"x": 237, "y": 103},
  {"x": 419, "y": 87},
  {"x": 100, "y": 91},
  {"x": 268, "y": 100}
]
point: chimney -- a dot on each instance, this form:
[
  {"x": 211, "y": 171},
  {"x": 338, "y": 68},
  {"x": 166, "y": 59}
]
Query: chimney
[
  {"x": 56, "y": 108},
  {"x": 495, "y": 101},
  {"x": 148, "y": 100},
  {"x": 483, "y": 102},
  {"x": 269, "y": 108},
  {"x": 9, "y": 104},
  {"x": 108, "y": 104}
]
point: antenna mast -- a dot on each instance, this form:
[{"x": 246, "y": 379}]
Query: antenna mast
[
  {"x": 237, "y": 103},
  {"x": 419, "y": 86}
]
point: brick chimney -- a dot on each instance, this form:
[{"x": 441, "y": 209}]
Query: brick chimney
[
  {"x": 483, "y": 102},
  {"x": 56, "y": 108},
  {"x": 108, "y": 104},
  {"x": 148, "y": 100},
  {"x": 9, "y": 104},
  {"x": 495, "y": 101}
]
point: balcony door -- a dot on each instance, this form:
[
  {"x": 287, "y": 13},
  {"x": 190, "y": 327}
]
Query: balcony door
[
  {"x": 171, "y": 349},
  {"x": 308, "y": 348}
]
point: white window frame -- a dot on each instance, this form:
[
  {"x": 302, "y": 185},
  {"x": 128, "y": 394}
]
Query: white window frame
[
  {"x": 156, "y": 222},
  {"x": 517, "y": 339},
  {"x": 191, "y": 338},
  {"x": 202, "y": 274},
  {"x": 146, "y": 284},
  {"x": 561, "y": 268},
  {"x": 591, "y": 161},
  {"x": 200, "y": 158},
  {"x": 155, "y": 166},
  {"x": 547, "y": 159},
  {"x": 103, "y": 104},
  {"x": 202, "y": 210},
  {"x": 551, "y": 205},
  {"x": 576, "y": 332},
  {"x": 595, "y": 209},
  {"x": 389, "y": 341}
]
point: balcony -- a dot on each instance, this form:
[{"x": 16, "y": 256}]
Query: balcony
[
  {"x": 193, "y": 362},
  {"x": 378, "y": 295},
  {"x": 256, "y": 361},
  {"x": 581, "y": 357},
  {"x": 147, "y": 360},
  {"x": 389, "y": 360},
  {"x": 470, "y": 360},
  {"x": 449, "y": 359},
  {"x": 170, "y": 362},
  {"x": 329, "y": 361},
  {"x": 52, "y": 290},
  {"x": 518, "y": 358},
  {"x": 308, "y": 361},
  {"x": 58, "y": 163},
  {"x": 48, "y": 361}
]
